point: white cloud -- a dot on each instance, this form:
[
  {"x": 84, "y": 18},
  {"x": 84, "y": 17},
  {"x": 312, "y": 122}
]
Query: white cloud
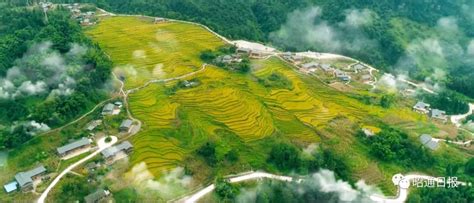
[
  {"x": 328, "y": 183},
  {"x": 357, "y": 18},
  {"x": 41, "y": 127},
  {"x": 323, "y": 181},
  {"x": 470, "y": 48},
  {"x": 430, "y": 45},
  {"x": 448, "y": 24},
  {"x": 168, "y": 185},
  {"x": 43, "y": 71},
  {"x": 77, "y": 50},
  {"x": 305, "y": 29},
  {"x": 30, "y": 88}
]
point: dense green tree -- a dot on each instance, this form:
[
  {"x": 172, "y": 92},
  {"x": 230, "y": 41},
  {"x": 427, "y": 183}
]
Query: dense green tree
[
  {"x": 394, "y": 146},
  {"x": 232, "y": 156},
  {"x": 335, "y": 163},
  {"x": 208, "y": 56},
  {"x": 449, "y": 101},
  {"x": 285, "y": 157},
  {"x": 225, "y": 190},
  {"x": 469, "y": 167},
  {"x": 208, "y": 152},
  {"x": 386, "y": 101}
]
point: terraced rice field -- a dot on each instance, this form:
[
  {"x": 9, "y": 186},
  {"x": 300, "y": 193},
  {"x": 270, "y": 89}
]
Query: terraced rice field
[
  {"x": 175, "y": 124},
  {"x": 142, "y": 50}
]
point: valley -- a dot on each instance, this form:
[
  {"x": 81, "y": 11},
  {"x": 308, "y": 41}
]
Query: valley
[{"x": 200, "y": 107}]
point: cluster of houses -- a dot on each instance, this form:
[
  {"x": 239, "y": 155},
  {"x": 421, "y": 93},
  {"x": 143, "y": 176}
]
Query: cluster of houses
[
  {"x": 84, "y": 18},
  {"x": 311, "y": 67},
  {"x": 361, "y": 68},
  {"x": 228, "y": 59},
  {"x": 425, "y": 108},
  {"x": 293, "y": 58},
  {"x": 24, "y": 181},
  {"x": 114, "y": 109}
]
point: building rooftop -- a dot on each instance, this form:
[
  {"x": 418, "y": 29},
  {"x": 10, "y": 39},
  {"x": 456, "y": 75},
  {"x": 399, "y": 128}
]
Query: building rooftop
[
  {"x": 326, "y": 67},
  {"x": 96, "y": 196},
  {"x": 93, "y": 124},
  {"x": 23, "y": 178},
  {"x": 342, "y": 75},
  {"x": 425, "y": 138},
  {"x": 421, "y": 105},
  {"x": 310, "y": 65},
  {"x": 108, "y": 108},
  {"x": 126, "y": 123},
  {"x": 436, "y": 113},
  {"x": 10, "y": 187},
  {"x": 297, "y": 57},
  {"x": 428, "y": 142},
  {"x": 359, "y": 67},
  {"x": 74, "y": 145},
  {"x": 112, "y": 151}
]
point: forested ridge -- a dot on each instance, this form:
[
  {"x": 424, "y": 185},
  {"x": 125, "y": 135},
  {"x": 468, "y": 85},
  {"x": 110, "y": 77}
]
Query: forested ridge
[
  {"x": 50, "y": 72},
  {"x": 398, "y": 29}
]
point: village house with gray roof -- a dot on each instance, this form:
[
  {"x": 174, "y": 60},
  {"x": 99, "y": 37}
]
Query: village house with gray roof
[
  {"x": 96, "y": 196},
  {"x": 310, "y": 65},
  {"x": 93, "y": 124},
  {"x": 422, "y": 107},
  {"x": 327, "y": 67},
  {"x": 342, "y": 75},
  {"x": 24, "y": 180},
  {"x": 110, "y": 153},
  {"x": 428, "y": 142},
  {"x": 74, "y": 146},
  {"x": 126, "y": 125},
  {"x": 359, "y": 67},
  {"x": 439, "y": 115},
  {"x": 108, "y": 109}
]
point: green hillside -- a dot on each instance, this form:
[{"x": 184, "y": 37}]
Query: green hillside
[{"x": 239, "y": 112}]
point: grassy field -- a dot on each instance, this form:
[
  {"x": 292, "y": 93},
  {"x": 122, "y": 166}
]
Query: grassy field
[
  {"x": 237, "y": 111},
  {"x": 143, "y": 50}
]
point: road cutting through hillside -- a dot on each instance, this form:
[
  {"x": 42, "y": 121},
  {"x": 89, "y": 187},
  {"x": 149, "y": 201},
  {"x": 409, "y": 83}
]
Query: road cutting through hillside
[{"x": 403, "y": 184}]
